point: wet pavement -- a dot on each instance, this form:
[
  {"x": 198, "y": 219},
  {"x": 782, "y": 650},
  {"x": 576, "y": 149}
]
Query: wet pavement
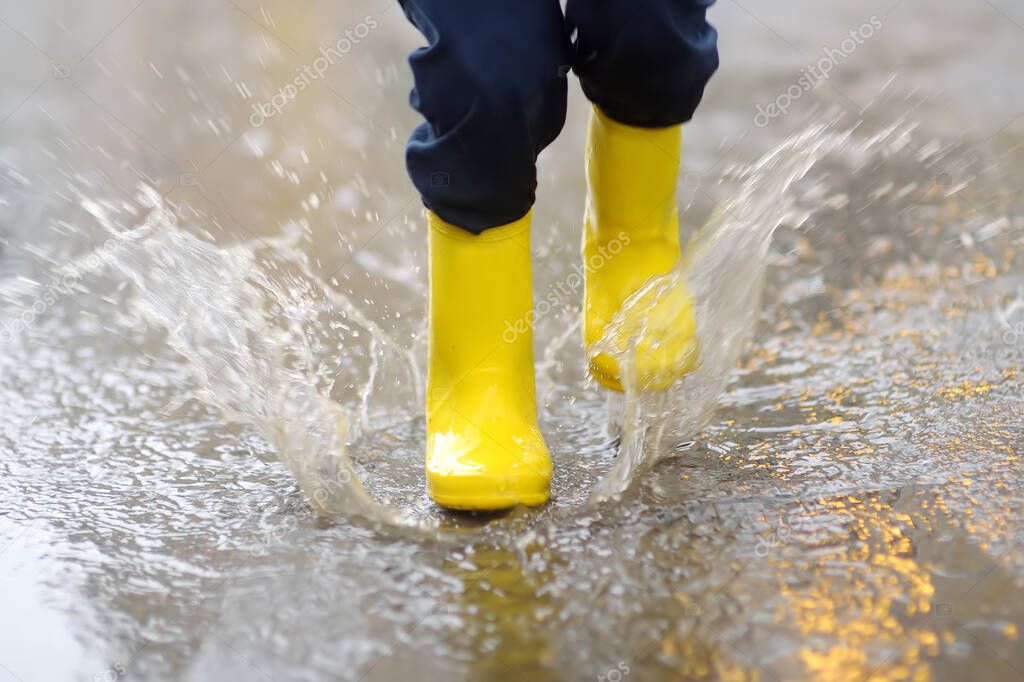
[{"x": 851, "y": 511}]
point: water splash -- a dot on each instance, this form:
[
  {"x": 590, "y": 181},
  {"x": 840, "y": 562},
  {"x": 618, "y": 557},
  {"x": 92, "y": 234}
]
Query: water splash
[
  {"x": 723, "y": 268},
  {"x": 273, "y": 346}
]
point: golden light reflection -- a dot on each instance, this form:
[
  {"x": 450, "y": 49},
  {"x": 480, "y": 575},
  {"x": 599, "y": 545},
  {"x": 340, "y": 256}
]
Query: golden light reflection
[{"x": 854, "y": 608}]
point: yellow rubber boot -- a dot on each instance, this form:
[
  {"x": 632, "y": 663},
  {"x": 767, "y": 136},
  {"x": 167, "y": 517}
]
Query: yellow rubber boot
[
  {"x": 484, "y": 450},
  {"x": 631, "y": 235}
]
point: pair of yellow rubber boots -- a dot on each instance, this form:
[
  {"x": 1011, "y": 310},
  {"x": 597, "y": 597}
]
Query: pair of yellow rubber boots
[{"x": 484, "y": 449}]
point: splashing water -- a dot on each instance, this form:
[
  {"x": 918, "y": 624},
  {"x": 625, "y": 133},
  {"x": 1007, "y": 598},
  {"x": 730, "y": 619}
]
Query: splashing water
[
  {"x": 851, "y": 510},
  {"x": 273, "y": 346},
  {"x": 723, "y": 267},
  {"x": 269, "y": 344},
  {"x": 812, "y": 438}
]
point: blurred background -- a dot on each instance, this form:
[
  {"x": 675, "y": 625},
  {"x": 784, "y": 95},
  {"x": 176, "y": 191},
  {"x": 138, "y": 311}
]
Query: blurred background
[{"x": 851, "y": 513}]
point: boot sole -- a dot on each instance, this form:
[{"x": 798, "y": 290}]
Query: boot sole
[{"x": 488, "y": 502}]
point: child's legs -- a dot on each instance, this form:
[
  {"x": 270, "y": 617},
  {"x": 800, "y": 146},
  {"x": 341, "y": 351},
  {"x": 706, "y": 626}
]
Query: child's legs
[
  {"x": 491, "y": 85},
  {"x": 644, "y": 63}
]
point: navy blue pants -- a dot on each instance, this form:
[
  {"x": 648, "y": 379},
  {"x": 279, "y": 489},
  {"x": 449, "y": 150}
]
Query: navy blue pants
[{"x": 492, "y": 83}]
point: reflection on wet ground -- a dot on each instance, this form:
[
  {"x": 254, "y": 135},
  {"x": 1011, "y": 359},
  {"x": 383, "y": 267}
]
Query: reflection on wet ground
[{"x": 851, "y": 512}]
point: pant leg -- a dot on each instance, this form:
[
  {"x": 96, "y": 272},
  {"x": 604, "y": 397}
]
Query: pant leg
[
  {"x": 491, "y": 84},
  {"x": 643, "y": 62}
]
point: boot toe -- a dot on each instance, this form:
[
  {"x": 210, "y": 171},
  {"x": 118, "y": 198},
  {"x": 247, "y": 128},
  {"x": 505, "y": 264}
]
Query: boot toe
[
  {"x": 481, "y": 492},
  {"x": 467, "y": 471}
]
